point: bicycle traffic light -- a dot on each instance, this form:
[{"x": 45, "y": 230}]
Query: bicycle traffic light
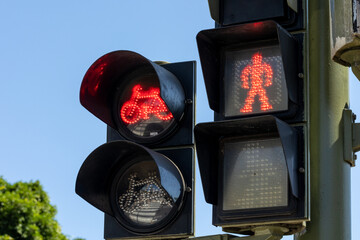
[
  {"x": 142, "y": 191},
  {"x": 252, "y": 158}
]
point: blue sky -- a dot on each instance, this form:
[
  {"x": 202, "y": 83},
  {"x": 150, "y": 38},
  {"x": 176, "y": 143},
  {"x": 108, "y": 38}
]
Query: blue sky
[{"x": 46, "y": 48}]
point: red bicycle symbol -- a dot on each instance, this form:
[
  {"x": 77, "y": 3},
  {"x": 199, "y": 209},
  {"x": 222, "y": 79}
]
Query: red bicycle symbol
[{"x": 142, "y": 104}]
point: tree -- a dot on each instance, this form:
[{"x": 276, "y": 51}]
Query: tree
[{"x": 26, "y": 213}]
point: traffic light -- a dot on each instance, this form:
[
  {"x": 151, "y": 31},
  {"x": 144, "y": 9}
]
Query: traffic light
[
  {"x": 143, "y": 177},
  {"x": 255, "y": 60},
  {"x": 252, "y": 158}
]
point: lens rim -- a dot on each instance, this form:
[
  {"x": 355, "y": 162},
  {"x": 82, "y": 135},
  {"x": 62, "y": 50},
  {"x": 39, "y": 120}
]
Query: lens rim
[
  {"x": 125, "y": 221},
  {"x": 132, "y": 79}
]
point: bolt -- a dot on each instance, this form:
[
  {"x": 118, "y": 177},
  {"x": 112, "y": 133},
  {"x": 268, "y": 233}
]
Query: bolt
[
  {"x": 188, "y": 189},
  {"x": 354, "y": 117},
  {"x": 301, "y": 75},
  {"x": 188, "y": 101},
  {"x": 301, "y": 170}
]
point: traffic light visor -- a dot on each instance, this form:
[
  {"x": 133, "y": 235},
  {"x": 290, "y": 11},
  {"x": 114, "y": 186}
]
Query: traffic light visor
[
  {"x": 249, "y": 170},
  {"x": 137, "y": 97},
  {"x": 256, "y": 149},
  {"x": 144, "y": 190}
]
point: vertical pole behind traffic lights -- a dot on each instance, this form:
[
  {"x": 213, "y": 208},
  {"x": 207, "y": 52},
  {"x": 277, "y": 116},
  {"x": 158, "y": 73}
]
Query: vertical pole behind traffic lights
[{"x": 328, "y": 95}]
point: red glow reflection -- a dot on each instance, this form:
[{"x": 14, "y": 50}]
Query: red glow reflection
[
  {"x": 93, "y": 77},
  {"x": 260, "y": 75},
  {"x": 258, "y": 25},
  {"x": 142, "y": 104}
]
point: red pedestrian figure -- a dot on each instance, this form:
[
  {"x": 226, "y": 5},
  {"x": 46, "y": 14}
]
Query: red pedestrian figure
[{"x": 259, "y": 74}]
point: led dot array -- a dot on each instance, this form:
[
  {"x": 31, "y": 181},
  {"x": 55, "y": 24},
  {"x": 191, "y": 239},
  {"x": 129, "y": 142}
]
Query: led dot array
[
  {"x": 141, "y": 193},
  {"x": 255, "y": 175},
  {"x": 144, "y": 103},
  {"x": 254, "y": 81},
  {"x": 258, "y": 75}
]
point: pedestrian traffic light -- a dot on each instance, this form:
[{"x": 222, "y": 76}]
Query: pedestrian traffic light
[
  {"x": 252, "y": 158},
  {"x": 256, "y": 61},
  {"x": 143, "y": 177}
]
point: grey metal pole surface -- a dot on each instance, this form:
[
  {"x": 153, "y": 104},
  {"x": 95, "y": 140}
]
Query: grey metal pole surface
[{"x": 328, "y": 94}]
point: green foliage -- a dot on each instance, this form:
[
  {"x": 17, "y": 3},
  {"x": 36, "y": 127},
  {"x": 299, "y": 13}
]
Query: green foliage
[
  {"x": 26, "y": 213},
  {"x": 6, "y": 237}
]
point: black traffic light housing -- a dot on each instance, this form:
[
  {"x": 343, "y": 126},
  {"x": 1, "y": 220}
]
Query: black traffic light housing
[
  {"x": 252, "y": 159},
  {"x": 112, "y": 78},
  {"x": 288, "y": 13},
  {"x": 182, "y": 133},
  {"x": 213, "y": 44},
  {"x": 211, "y": 139},
  {"x": 143, "y": 177},
  {"x": 105, "y": 171}
]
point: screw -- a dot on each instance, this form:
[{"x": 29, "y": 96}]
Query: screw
[
  {"x": 301, "y": 170},
  {"x": 188, "y": 101},
  {"x": 301, "y": 75},
  {"x": 188, "y": 189}
]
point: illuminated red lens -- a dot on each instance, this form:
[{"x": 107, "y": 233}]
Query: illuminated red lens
[
  {"x": 143, "y": 104},
  {"x": 254, "y": 82},
  {"x": 257, "y": 74}
]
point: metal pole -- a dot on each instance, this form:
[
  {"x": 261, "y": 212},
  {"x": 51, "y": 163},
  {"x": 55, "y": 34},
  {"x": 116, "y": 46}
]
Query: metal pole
[{"x": 328, "y": 95}]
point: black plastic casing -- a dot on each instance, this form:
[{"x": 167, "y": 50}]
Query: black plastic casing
[
  {"x": 182, "y": 134},
  {"x": 209, "y": 148},
  {"x": 230, "y": 12},
  {"x": 98, "y": 172},
  {"x": 213, "y": 43}
]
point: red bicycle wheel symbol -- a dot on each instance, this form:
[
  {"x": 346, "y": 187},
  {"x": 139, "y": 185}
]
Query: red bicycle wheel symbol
[{"x": 130, "y": 113}]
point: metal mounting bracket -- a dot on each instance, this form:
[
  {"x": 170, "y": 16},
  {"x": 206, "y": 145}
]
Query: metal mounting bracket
[
  {"x": 293, "y": 4},
  {"x": 261, "y": 233},
  {"x": 351, "y": 136}
]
